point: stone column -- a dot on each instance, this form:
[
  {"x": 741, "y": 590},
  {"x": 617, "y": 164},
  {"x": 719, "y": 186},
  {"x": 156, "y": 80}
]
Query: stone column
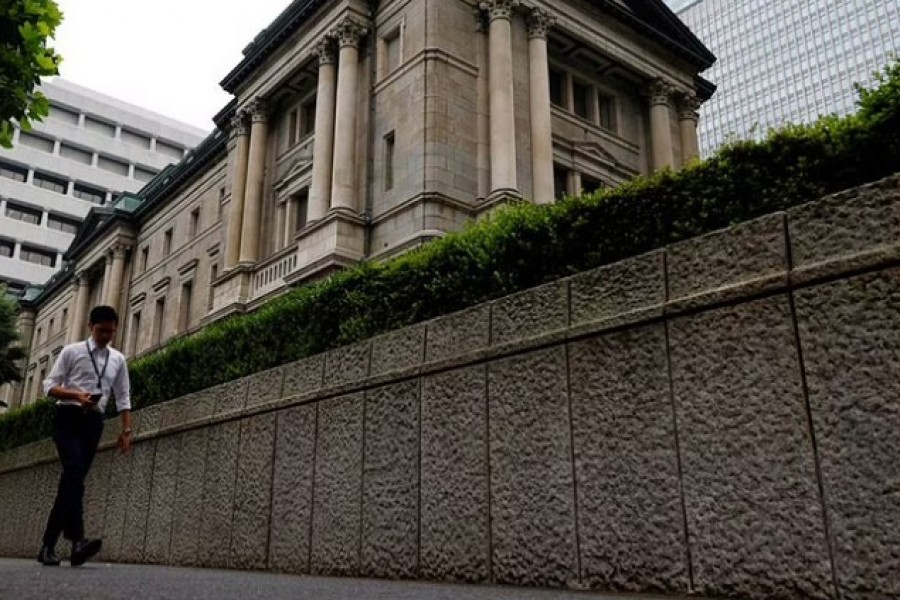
[
  {"x": 241, "y": 133},
  {"x": 502, "y": 113},
  {"x": 114, "y": 291},
  {"x": 323, "y": 147},
  {"x": 660, "y": 127},
  {"x": 541, "y": 125},
  {"x": 256, "y": 172},
  {"x": 483, "y": 120},
  {"x": 14, "y": 394},
  {"x": 290, "y": 219},
  {"x": 78, "y": 318},
  {"x": 688, "y": 117},
  {"x": 573, "y": 183},
  {"x": 343, "y": 188},
  {"x": 107, "y": 275}
]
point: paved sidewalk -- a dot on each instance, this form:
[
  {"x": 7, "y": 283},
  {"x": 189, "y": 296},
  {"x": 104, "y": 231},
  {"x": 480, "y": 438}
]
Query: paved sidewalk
[{"x": 27, "y": 580}]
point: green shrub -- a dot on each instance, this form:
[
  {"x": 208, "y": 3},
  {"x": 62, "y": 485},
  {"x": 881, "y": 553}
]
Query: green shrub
[{"x": 524, "y": 246}]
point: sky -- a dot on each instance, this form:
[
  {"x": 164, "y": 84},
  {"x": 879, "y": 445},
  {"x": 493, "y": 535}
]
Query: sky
[{"x": 167, "y": 56}]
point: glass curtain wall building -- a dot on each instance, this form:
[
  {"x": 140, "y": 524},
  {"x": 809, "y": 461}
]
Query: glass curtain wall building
[{"x": 787, "y": 60}]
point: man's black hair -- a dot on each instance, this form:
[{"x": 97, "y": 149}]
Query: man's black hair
[{"x": 104, "y": 314}]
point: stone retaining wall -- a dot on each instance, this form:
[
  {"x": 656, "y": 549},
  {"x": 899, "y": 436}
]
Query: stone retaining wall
[{"x": 719, "y": 418}]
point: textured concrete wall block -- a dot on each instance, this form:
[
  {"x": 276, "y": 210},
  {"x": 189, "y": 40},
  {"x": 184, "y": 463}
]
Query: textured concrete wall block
[
  {"x": 849, "y": 230},
  {"x": 42, "y": 484},
  {"x": 753, "y": 509},
  {"x": 338, "y": 486},
  {"x": 746, "y": 259},
  {"x": 631, "y": 522},
  {"x": 532, "y": 487},
  {"x": 198, "y": 407},
  {"x": 398, "y": 351},
  {"x": 231, "y": 397},
  {"x": 458, "y": 334},
  {"x": 390, "y": 519},
  {"x": 253, "y": 494},
  {"x": 162, "y": 500},
  {"x": 95, "y": 493},
  {"x": 138, "y": 503},
  {"x": 146, "y": 422},
  {"x": 625, "y": 292},
  {"x": 455, "y": 526},
  {"x": 540, "y": 311},
  {"x": 219, "y": 480},
  {"x": 347, "y": 365},
  {"x": 850, "y": 332},
  {"x": 303, "y": 376},
  {"x": 292, "y": 490},
  {"x": 188, "y": 505},
  {"x": 172, "y": 414},
  {"x": 265, "y": 387},
  {"x": 116, "y": 505}
]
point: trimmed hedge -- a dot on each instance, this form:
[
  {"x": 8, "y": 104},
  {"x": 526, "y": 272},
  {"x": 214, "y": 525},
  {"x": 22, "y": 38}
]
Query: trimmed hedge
[{"x": 524, "y": 246}]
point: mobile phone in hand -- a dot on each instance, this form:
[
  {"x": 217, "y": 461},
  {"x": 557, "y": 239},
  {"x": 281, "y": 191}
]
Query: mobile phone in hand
[{"x": 95, "y": 398}]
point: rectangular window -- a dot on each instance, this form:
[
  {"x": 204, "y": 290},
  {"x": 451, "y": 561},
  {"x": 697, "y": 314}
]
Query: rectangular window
[
  {"x": 195, "y": 221},
  {"x": 38, "y": 142},
  {"x": 560, "y": 181},
  {"x": 308, "y": 118},
  {"x": 64, "y": 115},
  {"x": 23, "y": 213},
  {"x": 50, "y": 327},
  {"x": 64, "y": 322},
  {"x": 389, "y": 148},
  {"x": 14, "y": 172},
  {"x": 590, "y": 184},
  {"x": 184, "y": 316},
  {"x": 213, "y": 275},
  {"x": 135, "y": 333},
  {"x": 221, "y": 205},
  {"x": 292, "y": 127},
  {"x": 557, "y": 87},
  {"x": 144, "y": 175},
  {"x": 159, "y": 325},
  {"x": 7, "y": 248},
  {"x": 77, "y": 154},
  {"x": 113, "y": 165},
  {"x": 40, "y": 334},
  {"x": 145, "y": 256},
  {"x": 392, "y": 52},
  {"x": 51, "y": 182},
  {"x": 167, "y": 243},
  {"x": 62, "y": 224},
  {"x": 89, "y": 194},
  {"x": 100, "y": 127},
  {"x": 37, "y": 256},
  {"x": 302, "y": 200},
  {"x": 607, "y": 112},
  {"x": 582, "y": 100},
  {"x": 170, "y": 150},
  {"x": 135, "y": 139}
]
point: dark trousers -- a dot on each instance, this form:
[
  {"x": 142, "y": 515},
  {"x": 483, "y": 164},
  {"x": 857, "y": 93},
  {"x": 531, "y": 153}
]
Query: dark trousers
[{"x": 76, "y": 434}]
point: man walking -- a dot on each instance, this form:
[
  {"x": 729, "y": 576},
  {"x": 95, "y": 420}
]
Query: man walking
[{"x": 81, "y": 381}]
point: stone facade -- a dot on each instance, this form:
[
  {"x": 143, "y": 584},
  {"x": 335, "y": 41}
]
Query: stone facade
[
  {"x": 359, "y": 135},
  {"x": 714, "y": 419}
]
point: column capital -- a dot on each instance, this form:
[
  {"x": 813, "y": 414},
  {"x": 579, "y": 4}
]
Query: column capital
[
  {"x": 348, "y": 33},
  {"x": 688, "y": 105},
  {"x": 240, "y": 124},
  {"x": 481, "y": 22},
  {"x": 539, "y": 22},
  {"x": 259, "y": 110},
  {"x": 659, "y": 92},
  {"x": 499, "y": 9},
  {"x": 119, "y": 250},
  {"x": 325, "y": 51}
]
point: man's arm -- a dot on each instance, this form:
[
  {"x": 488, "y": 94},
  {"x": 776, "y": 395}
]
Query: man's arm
[
  {"x": 53, "y": 385},
  {"x": 122, "y": 389}
]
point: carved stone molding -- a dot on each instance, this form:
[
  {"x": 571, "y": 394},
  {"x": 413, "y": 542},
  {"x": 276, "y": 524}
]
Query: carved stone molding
[
  {"x": 659, "y": 92},
  {"x": 259, "y": 110},
  {"x": 539, "y": 23},
  {"x": 325, "y": 50},
  {"x": 240, "y": 124},
  {"x": 688, "y": 107},
  {"x": 499, "y": 9},
  {"x": 348, "y": 33}
]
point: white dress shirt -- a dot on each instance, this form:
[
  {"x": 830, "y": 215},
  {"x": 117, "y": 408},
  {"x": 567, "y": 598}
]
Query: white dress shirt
[{"x": 73, "y": 369}]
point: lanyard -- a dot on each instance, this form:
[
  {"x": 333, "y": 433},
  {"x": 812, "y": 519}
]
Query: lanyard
[{"x": 99, "y": 373}]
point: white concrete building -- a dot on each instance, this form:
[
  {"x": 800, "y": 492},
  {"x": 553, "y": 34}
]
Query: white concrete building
[{"x": 86, "y": 152}]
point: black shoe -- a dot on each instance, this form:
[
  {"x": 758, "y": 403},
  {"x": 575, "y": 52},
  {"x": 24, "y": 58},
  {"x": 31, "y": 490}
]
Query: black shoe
[
  {"x": 84, "y": 549},
  {"x": 47, "y": 557}
]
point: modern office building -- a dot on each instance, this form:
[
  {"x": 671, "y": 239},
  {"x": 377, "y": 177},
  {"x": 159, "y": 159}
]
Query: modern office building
[
  {"x": 87, "y": 151},
  {"x": 358, "y": 133},
  {"x": 787, "y": 61}
]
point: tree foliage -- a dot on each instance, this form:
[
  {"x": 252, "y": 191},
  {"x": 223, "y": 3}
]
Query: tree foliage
[
  {"x": 26, "y": 27},
  {"x": 11, "y": 354}
]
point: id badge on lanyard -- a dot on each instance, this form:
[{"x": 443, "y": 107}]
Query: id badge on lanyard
[{"x": 99, "y": 373}]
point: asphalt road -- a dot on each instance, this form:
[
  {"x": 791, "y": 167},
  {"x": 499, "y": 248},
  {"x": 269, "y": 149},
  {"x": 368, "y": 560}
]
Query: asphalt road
[{"x": 27, "y": 580}]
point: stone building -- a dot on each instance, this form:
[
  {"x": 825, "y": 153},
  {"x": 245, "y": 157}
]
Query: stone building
[{"x": 363, "y": 129}]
